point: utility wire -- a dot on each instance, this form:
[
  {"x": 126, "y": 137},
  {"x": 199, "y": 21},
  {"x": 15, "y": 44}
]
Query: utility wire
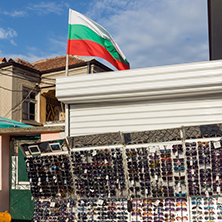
[
  {"x": 23, "y": 78},
  {"x": 23, "y": 74},
  {"x": 48, "y": 78},
  {"x": 10, "y": 89},
  {"x": 13, "y": 109}
]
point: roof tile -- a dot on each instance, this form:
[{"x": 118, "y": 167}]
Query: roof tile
[
  {"x": 23, "y": 62},
  {"x": 57, "y": 62},
  {"x": 3, "y": 60}
]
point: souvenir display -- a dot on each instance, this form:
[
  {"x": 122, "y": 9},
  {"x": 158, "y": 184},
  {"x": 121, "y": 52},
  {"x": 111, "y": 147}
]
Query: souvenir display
[
  {"x": 50, "y": 176},
  {"x": 99, "y": 173},
  {"x": 206, "y": 209},
  {"x": 170, "y": 209},
  {"x": 156, "y": 171},
  {"x": 55, "y": 210},
  {"x": 90, "y": 210},
  {"x": 180, "y": 181}
]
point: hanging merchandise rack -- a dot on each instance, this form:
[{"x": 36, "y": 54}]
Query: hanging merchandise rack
[{"x": 177, "y": 180}]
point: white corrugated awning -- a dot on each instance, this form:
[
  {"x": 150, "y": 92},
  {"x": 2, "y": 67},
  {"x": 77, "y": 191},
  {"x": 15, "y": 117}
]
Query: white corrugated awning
[
  {"x": 143, "y": 99},
  {"x": 139, "y": 84}
]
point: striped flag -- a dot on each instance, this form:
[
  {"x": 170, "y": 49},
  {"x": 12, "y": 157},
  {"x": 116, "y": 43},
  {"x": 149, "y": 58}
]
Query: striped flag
[{"x": 87, "y": 38}]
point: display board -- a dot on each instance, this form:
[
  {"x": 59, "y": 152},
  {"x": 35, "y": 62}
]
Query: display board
[{"x": 168, "y": 181}]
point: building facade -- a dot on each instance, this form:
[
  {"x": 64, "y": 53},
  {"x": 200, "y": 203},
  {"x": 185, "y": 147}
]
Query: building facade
[{"x": 27, "y": 90}]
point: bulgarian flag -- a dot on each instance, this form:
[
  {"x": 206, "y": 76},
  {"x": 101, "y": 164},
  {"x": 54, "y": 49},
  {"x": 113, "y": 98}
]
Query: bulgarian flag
[{"x": 87, "y": 38}]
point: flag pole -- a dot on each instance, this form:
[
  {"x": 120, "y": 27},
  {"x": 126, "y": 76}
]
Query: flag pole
[
  {"x": 66, "y": 105},
  {"x": 67, "y": 64},
  {"x": 67, "y": 55},
  {"x": 67, "y": 108}
]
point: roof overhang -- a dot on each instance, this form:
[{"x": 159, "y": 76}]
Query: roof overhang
[
  {"x": 32, "y": 130},
  {"x": 12, "y": 63}
]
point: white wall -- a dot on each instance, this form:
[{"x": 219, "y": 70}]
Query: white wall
[{"x": 141, "y": 116}]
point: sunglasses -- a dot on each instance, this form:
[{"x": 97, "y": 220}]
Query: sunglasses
[
  {"x": 167, "y": 160},
  {"x": 182, "y": 218},
  {"x": 177, "y": 149},
  {"x": 181, "y": 168},
  {"x": 193, "y": 202},
  {"x": 154, "y": 164},
  {"x": 180, "y": 182},
  {"x": 167, "y": 173},
  {"x": 179, "y": 178},
  {"x": 167, "y": 151},
  {"x": 180, "y": 194},
  {"x": 181, "y": 209},
  {"x": 167, "y": 179},
  {"x": 178, "y": 204},
  {"x": 197, "y": 212},
  {"x": 209, "y": 212}
]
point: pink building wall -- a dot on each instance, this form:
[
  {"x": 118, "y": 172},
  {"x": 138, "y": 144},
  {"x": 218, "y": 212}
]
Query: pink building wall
[
  {"x": 50, "y": 136},
  {"x": 5, "y": 166},
  {"x": 4, "y": 172}
]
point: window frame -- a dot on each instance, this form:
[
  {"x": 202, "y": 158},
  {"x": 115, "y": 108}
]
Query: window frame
[{"x": 26, "y": 111}]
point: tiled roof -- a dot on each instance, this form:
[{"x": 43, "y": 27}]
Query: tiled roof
[
  {"x": 3, "y": 60},
  {"x": 57, "y": 62},
  {"x": 23, "y": 62},
  {"x": 50, "y": 64}
]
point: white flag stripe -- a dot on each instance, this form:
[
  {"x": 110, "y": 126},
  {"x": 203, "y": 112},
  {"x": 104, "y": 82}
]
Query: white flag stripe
[{"x": 76, "y": 18}]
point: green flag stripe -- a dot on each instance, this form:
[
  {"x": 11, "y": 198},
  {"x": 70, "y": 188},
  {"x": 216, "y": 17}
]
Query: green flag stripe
[{"x": 85, "y": 33}]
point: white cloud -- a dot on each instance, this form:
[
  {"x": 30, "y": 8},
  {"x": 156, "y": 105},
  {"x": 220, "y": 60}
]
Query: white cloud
[
  {"x": 13, "y": 42},
  {"x": 15, "y": 13},
  {"x": 7, "y": 33},
  {"x": 58, "y": 44},
  {"x": 156, "y": 32},
  {"x": 106, "y": 7},
  {"x": 149, "y": 32},
  {"x": 42, "y": 8},
  {"x": 47, "y": 7},
  {"x": 55, "y": 48}
]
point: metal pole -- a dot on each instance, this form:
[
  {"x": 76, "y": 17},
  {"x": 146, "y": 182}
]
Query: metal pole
[{"x": 67, "y": 65}]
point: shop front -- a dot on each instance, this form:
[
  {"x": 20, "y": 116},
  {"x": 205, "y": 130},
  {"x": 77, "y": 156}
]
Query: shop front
[{"x": 142, "y": 145}]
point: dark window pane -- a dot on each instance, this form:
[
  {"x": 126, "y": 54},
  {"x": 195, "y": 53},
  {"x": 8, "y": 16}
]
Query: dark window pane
[
  {"x": 32, "y": 95},
  {"x": 28, "y": 106},
  {"x": 32, "y": 117},
  {"x": 32, "y": 108},
  {"x": 24, "y": 116},
  {"x": 25, "y": 107}
]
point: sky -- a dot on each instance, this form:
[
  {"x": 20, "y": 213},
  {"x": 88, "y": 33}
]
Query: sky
[{"x": 149, "y": 32}]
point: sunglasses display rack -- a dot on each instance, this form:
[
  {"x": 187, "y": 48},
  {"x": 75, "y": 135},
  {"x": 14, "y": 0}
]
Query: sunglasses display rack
[
  {"x": 50, "y": 176},
  {"x": 55, "y": 210},
  {"x": 203, "y": 169},
  {"x": 109, "y": 210},
  {"x": 99, "y": 173},
  {"x": 179, "y": 173},
  {"x": 169, "y": 209},
  {"x": 199, "y": 168},
  {"x": 169, "y": 181},
  {"x": 91, "y": 210},
  {"x": 207, "y": 209},
  {"x": 156, "y": 171},
  {"x": 216, "y": 160},
  {"x": 138, "y": 172}
]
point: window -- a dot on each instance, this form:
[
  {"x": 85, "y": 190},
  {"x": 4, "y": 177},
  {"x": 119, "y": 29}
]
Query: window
[{"x": 29, "y": 104}]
